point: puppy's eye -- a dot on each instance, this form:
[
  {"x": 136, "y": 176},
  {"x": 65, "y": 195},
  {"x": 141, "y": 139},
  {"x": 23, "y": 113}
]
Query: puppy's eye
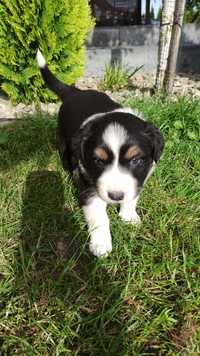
[
  {"x": 99, "y": 162},
  {"x": 135, "y": 161},
  {"x": 100, "y": 156}
]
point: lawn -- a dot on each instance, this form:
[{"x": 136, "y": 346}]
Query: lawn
[{"x": 56, "y": 298}]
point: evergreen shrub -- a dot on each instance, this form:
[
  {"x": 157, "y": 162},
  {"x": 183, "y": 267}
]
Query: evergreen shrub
[{"x": 58, "y": 27}]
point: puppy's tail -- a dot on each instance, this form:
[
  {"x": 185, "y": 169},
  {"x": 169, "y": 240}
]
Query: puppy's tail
[{"x": 51, "y": 81}]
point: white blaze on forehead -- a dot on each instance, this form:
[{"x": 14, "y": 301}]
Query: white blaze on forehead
[
  {"x": 115, "y": 136},
  {"x": 115, "y": 178}
]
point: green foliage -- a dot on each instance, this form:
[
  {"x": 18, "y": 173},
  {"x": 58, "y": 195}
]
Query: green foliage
[
  {"x": 117, "y": 77},
  {"x": 58, "y": 27},
  {"x": 192, "y": 11}
]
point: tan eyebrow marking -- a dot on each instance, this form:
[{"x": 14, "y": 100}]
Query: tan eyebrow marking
[
  {"x": 132, "y": 152},
  {"x": 101, "y": 153}
]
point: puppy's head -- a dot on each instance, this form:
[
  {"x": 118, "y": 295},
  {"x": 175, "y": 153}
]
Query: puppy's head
[{"x": 118, "y": 153}]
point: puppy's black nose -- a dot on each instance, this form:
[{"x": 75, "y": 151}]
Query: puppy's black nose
[{"x": 117, "y": 196}]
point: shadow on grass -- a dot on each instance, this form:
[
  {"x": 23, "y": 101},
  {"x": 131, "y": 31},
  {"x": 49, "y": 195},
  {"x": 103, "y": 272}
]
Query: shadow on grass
[
  {"x": 49, "y": 241},
  {"x": 57, "y": 281},
  {"x": 55, "y": 268},
  {"x": 26, "y": 139}
]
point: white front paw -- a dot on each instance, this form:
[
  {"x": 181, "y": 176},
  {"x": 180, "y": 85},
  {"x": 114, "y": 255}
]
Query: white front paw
[
  {"x": 130, "y": 217},
  {"x": 100, "y": 243}
]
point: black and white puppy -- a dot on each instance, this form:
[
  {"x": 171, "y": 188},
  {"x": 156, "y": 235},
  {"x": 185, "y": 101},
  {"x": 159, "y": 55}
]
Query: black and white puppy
[{"x": 109, "y": 151}]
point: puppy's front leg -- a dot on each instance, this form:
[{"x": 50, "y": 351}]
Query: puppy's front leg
[
  {"x": 128, "y": 212},
  {"x": 98, "y": 225}
]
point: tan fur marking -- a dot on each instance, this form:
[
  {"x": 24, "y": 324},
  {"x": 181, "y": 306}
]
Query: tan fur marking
[
  {"x": 101, "y": 153},
  {"x": 132, "y": 152}
]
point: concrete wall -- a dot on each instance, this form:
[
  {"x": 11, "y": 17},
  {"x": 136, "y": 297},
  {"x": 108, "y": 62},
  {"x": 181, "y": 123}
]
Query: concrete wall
[{"x": 137, "y": 45}]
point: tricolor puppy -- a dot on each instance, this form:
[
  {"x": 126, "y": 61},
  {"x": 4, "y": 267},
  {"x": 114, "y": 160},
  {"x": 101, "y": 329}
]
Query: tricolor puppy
[{"x": 109, "y": 151}]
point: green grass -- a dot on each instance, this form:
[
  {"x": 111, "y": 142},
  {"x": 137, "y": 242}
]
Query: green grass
[{"x": 57, "y": 299}]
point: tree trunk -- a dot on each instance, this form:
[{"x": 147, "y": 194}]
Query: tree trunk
[
  {"x": 168, "y": 7},
  {"x": 174, "y": 45}
]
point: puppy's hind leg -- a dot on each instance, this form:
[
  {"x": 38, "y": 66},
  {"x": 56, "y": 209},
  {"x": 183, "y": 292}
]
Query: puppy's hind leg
[
  {"x": 98, "y": 226},
  {"x": 128, "y": 212}
]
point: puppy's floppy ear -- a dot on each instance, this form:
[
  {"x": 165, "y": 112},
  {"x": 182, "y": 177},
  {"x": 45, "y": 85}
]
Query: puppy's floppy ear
[
  {"x": 156, "y": 139},
  {"x": 78, "y": 141}
]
